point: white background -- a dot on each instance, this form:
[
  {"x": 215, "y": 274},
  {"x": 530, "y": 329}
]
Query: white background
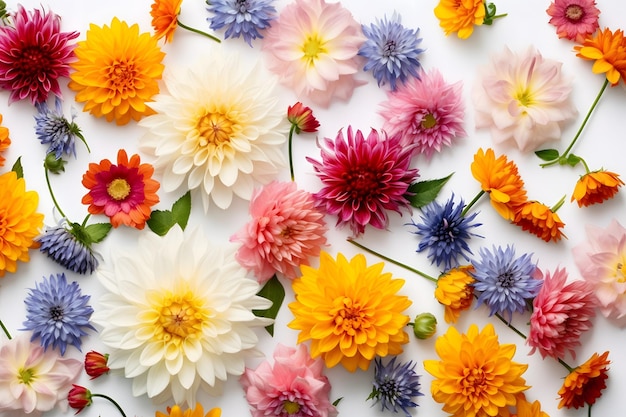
[{"x": 602, "y": 145}]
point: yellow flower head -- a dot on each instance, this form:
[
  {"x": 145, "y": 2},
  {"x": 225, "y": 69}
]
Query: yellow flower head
[
  {"x": 460, "y": 16},
  {"x": 19, "y": 221},
  {"x": 455, "y": 292},
  {"x": 540, "y": 220},
  {"x": 476, "y": 376},
  {"x": 608, "y": 51},
  {"x": 116, "y": 71},
  {"x": 165, "y": 18},
  {"x": 349, "y": 311},
  {"x": 4, "y": 141},
  {"x": 524, "y": 408},
  {"x": 596, "y": 187},
  {"x": 176, "y": 411}
]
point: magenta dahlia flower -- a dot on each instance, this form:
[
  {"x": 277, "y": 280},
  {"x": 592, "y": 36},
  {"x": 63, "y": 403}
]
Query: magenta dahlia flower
[
  {"x": 427, "y": 112},
  {"x": 286, "y": 230},
  {"x": 364, "y": 178},
  {"x": 34, "y": 54}
]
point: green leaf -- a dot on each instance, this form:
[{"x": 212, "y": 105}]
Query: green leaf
[
  {"x": 573, "y": 160},
  {"x": 336, "y": 402},
  {"x": 547, "y": 155},
  {"x": 272, "y": 290},
  {"x": 17, "y": 168},
  {"x": 425, "y": 192},
  {"x": 161, "y": 221},
  {"x": 181, "y": 210},
  {"x": 97, "y": 232}
]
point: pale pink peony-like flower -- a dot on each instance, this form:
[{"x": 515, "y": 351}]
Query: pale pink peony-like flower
[
  {"x": 428, "y": 113},
  {"x": 293, "y": 386},
  {"x": 524, "y": 99},
  {"x": 286, "y": 230},
  {"x": 602, "y": 262},
  {"x": 561, "y": 313},
  {"x": 574, "y": 19},
  {"x": 313, "y": 47}
]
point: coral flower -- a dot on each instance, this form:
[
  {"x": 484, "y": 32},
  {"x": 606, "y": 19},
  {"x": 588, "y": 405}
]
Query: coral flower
[
  {"x": 540, "y": 220},
  {"x": 500, "y": 178},
  {"x": 96, "y": 364},
  {"x": 608, "y": 51},
  {"x": 476, "y": 376},
  {"x": 596, "y": 187},
  {"x": 5, "y": 141},
  {"x": 455, "y": 291},
  {"x": 124, "y": 192},
  {"x": 427, "y": 112},
  {"x": 460, "y": 16},
  {"x": 198, "y": 411},
  {"x": 20, "y": 221},
  {"x": 34, "y": 54},
  {"x": 574, "y": 19},
  {"x": 523, "y": 99},
  {"x": 584, "y": 384},
  {"x": 561, "y": 313},
  {"x": 364, "y": 178},
  {"x": 351, "y": 312},
  {"x": 117, "y": 71},
  {"x": 165, "y": 18},
  {"x": 313, "y": 47},
  {"x": 301, "y": 118},
  {"x": 286, "y": 231}
]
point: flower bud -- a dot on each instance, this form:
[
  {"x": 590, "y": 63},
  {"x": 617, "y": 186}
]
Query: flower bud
[
  {"x": 425, "y": 325},
  {"x": 301, "y": 117},
  {"x": 96, "y": 364},
  {"x": 54, "y": 165},
  {"x": 79, "y": 398}
]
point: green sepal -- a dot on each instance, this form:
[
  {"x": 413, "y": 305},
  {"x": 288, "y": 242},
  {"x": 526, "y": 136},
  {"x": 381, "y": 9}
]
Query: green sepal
[
  {"x": 181, "y": 210},
  {"x": 424, "y": 192},
  {"x": 97, "y": 232},
  {"x": 17, "y": 168},
  {"x": 272, "y": 290},
  {"x": 547, "y": 155},
  {"x": 161, "y": 221},
  {"x": 336, "y": 402},
  {"x": 573, "y": 160}
]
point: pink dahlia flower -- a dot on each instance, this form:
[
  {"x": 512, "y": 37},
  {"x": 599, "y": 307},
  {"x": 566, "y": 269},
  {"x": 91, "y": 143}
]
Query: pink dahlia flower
[
  {"x": 293, "y": 386},
  {"x": 313, "y": 47},
  {"x": 602, "y": 262},
  {"x": 561, "y": 313},
  {"x": 428, "y": 113},
  {"x": 523, "y": 99},
  {"x": 286, "y": 230},
  {"x": 574, "y": 19},
  {"x": 363, "y": 178},
  {"x": 34, "y": 53}
]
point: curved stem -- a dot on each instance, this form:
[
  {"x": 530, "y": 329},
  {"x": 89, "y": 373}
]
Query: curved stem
[
  {"x": 182, "y": 25},
  {"x": 589, "y": 411},
  {"x": 106, "y": 397},
  {"x": 471, "y": 203},
  {"x": 6, "y": 331},
  {"x": 293, "y": 127},
  {"x": 54, "y": 200}
]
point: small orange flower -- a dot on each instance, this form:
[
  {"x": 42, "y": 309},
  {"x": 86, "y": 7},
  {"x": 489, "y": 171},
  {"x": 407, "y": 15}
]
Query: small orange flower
[
  {"x": 524, "y": 408},
  {"x": 608, "y": 50},
  {"x": 4, "y": 141},
  {"x": 500, "y": 178},
  {"x": 584, "y": 384},
  {"x": 540, "y": 220},
  {"x": 165, "y": 18},
  {"x": 455, "y": 292},
  {"x": 595, "y": 187},
  {"x": 176, "y": 411},
  {"x": 460, "y": 16}
]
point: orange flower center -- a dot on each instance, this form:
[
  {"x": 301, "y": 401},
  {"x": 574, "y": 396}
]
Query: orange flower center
[
  {"x": 180, "y": 316},
  {"x": 574, "y": 13},
  {"x": 122, "y": 75},
  {"x": 473, "y": 381},
  {"x": 118, "y": 189},
  {"x": 348, "y": 316},
  {"x": 215, "y": 129}
]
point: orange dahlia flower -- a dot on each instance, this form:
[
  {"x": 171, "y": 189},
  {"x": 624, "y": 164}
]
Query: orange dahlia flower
[
  {"x": 596, "y": 187},
  {"x": 176, "y": 411},
  {"x": 460, "y": 16},
  {"x": 584, "y": 384},
  {"x": 608, "y": 51},
  {"x": 455, "y": 292},
  {"x": 5, "y": 141},
  {"x": 540, "y": 220},
  {"x": 165, "y": 18}
]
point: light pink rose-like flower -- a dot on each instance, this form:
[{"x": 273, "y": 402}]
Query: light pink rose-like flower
[
  {"x": 562, "y": 311},
  {"x": 313, "y": 47},
  {"x": 33, "y": 380},
  {"x": 293, "y": 386},
  {"x": 428, "y": 113},
  {"x": 286, "y": 230},
  {"x": 523, "y": 99},
  {"x": 602, "y": 262}
]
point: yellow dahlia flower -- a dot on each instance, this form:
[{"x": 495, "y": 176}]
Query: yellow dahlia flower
[
  {"x": 349, "y": 311},
  {"x": 460, "y": 16},
  {"x": 19, "y": 221},
  {"x": 116, "y": 71}
]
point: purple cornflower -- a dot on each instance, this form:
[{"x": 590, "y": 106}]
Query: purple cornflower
[
  {"x": 57, "y": 313},
  {"x": 505, "y": 282},
  {"x": 242, "y": 17},
  {"x": 391, "y": 51},
  {"x": 68, "y": 248},
  {"x": 395, "y": 386},
  {"x": 54, "y": 129}
]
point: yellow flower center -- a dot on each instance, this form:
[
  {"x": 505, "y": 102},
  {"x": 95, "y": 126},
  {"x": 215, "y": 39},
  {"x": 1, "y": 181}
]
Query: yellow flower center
[
  {"x": 313, "y": 46},
  {"x": 473, "y": 382},
  {"x": 26, "y": 376},
  {"x": 574, "y": 13},
  {"x": 428, "y": 121},
  {"x": 620, "y": 271},
  {"x": 180, "y": 316},
  {"x": 349, "y": 316},
  {"x": 215, "y": 129},
  {"x": 524, "y": 97},
  {"x": 122, "y": 75},
  {"x": 118, "y": 189},
  {"x": 291, "y": 407}
]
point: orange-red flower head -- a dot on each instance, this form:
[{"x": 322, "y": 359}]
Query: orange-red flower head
[
  {"x": 608, "y": 51},
  {"x": 165, "y": 18},
  {"x": 584, "y": 384},
  {"x": 596, "y": 187},
  {"x": 540, "y": 220}
]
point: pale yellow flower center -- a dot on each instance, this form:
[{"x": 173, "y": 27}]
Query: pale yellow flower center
[
  {"x": 313, "y": 46},
  {"x": 524, "y": 97},
  {"x": 118, "y": 189},
  {"x": 215, "y": 129},
  {"x": 620, "y": 270},
  {"x": 180, "y": 316},
  {"x": 291, "y": 407},
  {"x": 121, "y": 75},
  {"x": 349, "y": 316},
  {"x": 428, "y": 121},
  {"x": 26, "y": 376},
  {"x": 574, "y": 13}
]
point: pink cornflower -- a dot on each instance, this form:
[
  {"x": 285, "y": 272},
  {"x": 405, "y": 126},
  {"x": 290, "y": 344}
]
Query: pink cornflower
[
  {"x": 313, "y": 47},
  {"x": 286, "y": 230},
  {"x": 602, "y": 262},
  {"x": 574, "y": 19},
  {"x": 561, "y": 313},
  {"x": 34, "y": 54},
  {"x": 427, "y": 112},
  {"x": 363, "y": 178},
  {"x": 293, "y": 386}
]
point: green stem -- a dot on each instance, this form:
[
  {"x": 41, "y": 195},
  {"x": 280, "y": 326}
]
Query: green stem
[
  {"x": 566, "y": 366},
  {"x": 182, "y": 25},
  {"x": 471, "y": 203},
  {"x": 589, "y": 411},
  {"x": 558, "y": 205},
  {"x": 106, "y": 397},
  {"x": 510, "y": 326},
  {"x": 293, "y": 127},
  {"x": 418, "y": 272},
  {"x": 54, "y": 200},
  {"x": 6, "y": 331}
]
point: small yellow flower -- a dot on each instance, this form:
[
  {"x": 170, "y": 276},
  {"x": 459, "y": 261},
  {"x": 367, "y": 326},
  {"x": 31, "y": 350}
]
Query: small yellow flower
[
  {"x": 460, "y": 16},
  {"x": 455, "y": 292}
]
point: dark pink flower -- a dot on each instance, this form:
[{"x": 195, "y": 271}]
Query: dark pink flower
[
  {"x": 364, "y": 178},
  {"x": 574, "y": 19},
  {"x": 301, "y": 117},
  {"x": 79, "y": 397},
  {"x": 34, "y": 54}
]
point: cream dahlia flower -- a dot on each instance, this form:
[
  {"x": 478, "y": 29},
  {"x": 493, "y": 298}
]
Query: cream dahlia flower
[
  {"x": 177, "y": 315},
  {"x": 219, "y": 129}
]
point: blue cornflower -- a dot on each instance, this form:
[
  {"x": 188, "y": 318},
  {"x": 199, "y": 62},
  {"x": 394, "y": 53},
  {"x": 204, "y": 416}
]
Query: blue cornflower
[
  {"x": 391, "y": 51},
  {"x": 68, "y": 248},
  {"x": 54, "y": 129},
  {"x": 242, "y": 17},
  {"x": 395, "y": 385},
  {"x": 505, "y": 282},
  {"x": 57, "y": 313},
  {"x": 445, "y": 232}
]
